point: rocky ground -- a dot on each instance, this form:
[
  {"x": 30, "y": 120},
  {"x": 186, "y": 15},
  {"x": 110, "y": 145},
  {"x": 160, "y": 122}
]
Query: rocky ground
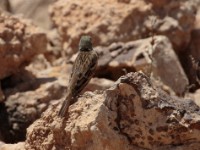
[{"x": 145, "y": 93}]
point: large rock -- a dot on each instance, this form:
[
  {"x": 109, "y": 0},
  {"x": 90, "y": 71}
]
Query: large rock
[
  {"x": 110, "y": 21},
  {"x": 20, "y": 41},
  {"x": 18, "y": 146},
  {"x": 29, "y": 95},
  {"x": 159, "y": 59},
  {"x": 166, "y": 66},
  {"x": 130, "y": 115},
  {"x": 5, "y": 5},
  {"x": 37, "y": 10},
  {"x": 193, "y": 50}
]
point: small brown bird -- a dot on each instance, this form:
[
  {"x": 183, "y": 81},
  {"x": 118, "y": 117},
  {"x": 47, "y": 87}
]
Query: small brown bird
[{"x": 82, "y": 71}]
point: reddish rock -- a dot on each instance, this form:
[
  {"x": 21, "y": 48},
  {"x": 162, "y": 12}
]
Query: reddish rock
[
  {"x": 5, "y": 5},
  {"x": 109, "y": 21},
  {"x": 29, "y": 95},
  {"x": 129, "y": 115},
  {"x": 119, "y": 58},
  {"x": 36, "y": 10},
  {"x": 19, "y": 43},
  {"x": 193, "y": 50},
  {"x": 18, "y": 146}
]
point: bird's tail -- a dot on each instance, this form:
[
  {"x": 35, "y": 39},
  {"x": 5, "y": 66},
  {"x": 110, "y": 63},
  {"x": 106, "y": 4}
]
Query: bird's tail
[{"x": 65, "y": 106}]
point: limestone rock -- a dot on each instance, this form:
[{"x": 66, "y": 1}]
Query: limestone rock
[
  {"x": 118, "y": 58},
  {"x": 54, "y": 53},
  {"x": 98, "y": 84},
  {"x": 196, "y": 97},
  {"x": 109, "y": 21},
  {"x": 37, "y": 10},
  {"x": 25, "y": 101},
  {"x": 5, "y": 5},
  {"x": 29, "y": 95},
  {"x": 19, "y": 43},
  {"x": 115, "y": 60},
  {"x": 18, "y": 146},
  {"x": 166, "y": 66},
  {"x": 129, "y": 115},
  {"x": 193, "y": 50}
]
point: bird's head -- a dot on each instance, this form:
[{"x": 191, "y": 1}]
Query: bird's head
[{"x": 85, "y": 43}]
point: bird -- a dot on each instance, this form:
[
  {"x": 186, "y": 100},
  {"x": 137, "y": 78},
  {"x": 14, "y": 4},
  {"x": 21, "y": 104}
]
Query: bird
[{"x": 82, "y": 71}]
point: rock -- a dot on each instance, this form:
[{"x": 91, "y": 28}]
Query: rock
[
  {"x": 193, "y": 50},
  {"x": 113, "y": 21},
  {"x": 54, "y": 51},
  {"x": 18, "y": 146},
  {"x": 98, "y": 84},
  {"x": 135, "y": 55},
  {"x": 1, "y": 143},
  {"x": 166, "y": 66},
  {"x": 5, "y": 5},
  {"x": 37, "y": 10},
  {"x": 130, "y": 115},
  {"x": 116, "y": 59},
  {"x": 19, "y": 43},
  {"x": 24, "y": 104},
  {"x": 196, "y": 97},
  {"x": 29, "y": 95}
]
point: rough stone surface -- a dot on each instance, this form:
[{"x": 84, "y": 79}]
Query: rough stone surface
[
  {"x": 26, "y": 98},
  {"x": 29, "y": 95},
  {"x": 119, "y": 118},
  {"x": 161, "y": 60},
  {"x": 110, "y": 21},
  {"x": 18, "y": 146},
  {"x": 132, "y": 113},
  {"x": 196, "y": 97},
  {"x": 19, "y": 43}
]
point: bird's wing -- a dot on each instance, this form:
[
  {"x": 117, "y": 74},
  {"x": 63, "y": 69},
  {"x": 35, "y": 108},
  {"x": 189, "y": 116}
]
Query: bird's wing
[{"x": 83, "y": 69}]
